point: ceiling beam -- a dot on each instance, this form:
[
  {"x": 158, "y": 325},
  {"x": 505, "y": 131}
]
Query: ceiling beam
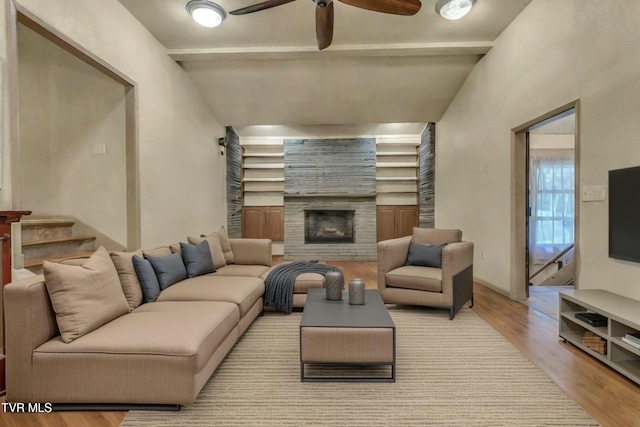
[{"x": 295, "y": 52}]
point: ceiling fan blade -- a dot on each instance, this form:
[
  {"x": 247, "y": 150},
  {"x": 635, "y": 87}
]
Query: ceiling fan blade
[
  {"x": 395, "y": 7},
  {"x": 324, "y": 23},
  {"x": 260, "y": 6}
]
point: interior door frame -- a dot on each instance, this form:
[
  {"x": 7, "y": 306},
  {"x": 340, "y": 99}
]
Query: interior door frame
[
  {"x": 19, "y": 14},
  {"x": 519, "y": 199}
]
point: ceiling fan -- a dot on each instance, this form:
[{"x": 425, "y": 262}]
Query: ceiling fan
[{"x": 324, "y": 12}]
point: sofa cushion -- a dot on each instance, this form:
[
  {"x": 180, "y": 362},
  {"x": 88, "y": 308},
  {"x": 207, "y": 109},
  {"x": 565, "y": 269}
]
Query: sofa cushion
[
  {"x": 242, "y": 270},
  {"x": 412, "y": 277},
  {"x": 128, "y": 277},
  {"x": 436, "y": 236},
  {"x": 147, "y": 278},
  {"x": 197, "y": 259},
  {"x": 159, "y": 251},
  {"x": 214, "y": 247},
  {"x": 188, "y": 332},
  {"x": 85, "y": 297},
  {"x": 243, "y": 291},
  {"x": 169, "y": 269},
  {"x": 425, "y": 255}
]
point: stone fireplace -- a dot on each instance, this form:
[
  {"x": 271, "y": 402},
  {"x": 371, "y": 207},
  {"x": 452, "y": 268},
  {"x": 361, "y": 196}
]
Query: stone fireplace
[
  {"x": 328, "y": 226},
  {"x": 330, "y": 199},
  {"x": 361, "y": 209}
]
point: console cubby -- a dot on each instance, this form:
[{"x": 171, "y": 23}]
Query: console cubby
[{"x": 623, "y": 317}]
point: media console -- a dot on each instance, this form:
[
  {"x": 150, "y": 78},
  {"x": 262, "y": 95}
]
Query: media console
[{"x": 623, "y": 317}]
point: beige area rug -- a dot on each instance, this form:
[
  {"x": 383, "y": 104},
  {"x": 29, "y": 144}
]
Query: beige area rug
[{"x": 449, "y": 373}]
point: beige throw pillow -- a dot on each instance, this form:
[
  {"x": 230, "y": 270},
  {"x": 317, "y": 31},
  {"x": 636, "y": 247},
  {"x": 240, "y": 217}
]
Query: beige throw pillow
[
  {"x": 84, "y": 297},
  {"x": 216, "y": 249},
  {"x": 160, "y": 251},
  {"x": 128, "y": 277},
  {"x": 226, "y": 245}
]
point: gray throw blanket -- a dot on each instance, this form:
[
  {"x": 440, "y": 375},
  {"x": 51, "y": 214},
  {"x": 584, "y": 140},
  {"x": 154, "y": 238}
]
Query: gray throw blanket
[{"x": 279, "y": 283}]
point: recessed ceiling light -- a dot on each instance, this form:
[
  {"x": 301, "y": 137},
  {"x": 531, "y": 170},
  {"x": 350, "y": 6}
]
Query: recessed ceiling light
[
  {"x": 206, "y": 13},
  {"x": 454, "y": 9}
]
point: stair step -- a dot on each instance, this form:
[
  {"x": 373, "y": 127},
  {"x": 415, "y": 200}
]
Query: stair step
[
  {"x": 45, "y": 228},
  {"x": 54, "y": 247},
  {"x": 35, "y": 265}
]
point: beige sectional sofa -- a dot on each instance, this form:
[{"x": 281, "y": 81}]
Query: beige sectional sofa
[{"x": 160, "y": 352}]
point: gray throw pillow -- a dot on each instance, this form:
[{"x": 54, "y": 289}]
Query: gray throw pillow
[
  {"x": 425, "y": 255},
  {"x": 147, "y": 278},
  {"x": 197, "y": 258},
  {"x": 169, "y": 269}
]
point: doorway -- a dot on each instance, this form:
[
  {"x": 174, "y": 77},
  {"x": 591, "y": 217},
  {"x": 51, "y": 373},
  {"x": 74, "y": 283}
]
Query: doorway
[
  {"x": 23, "y": 21},
  {"x": 545, "y": 214}
]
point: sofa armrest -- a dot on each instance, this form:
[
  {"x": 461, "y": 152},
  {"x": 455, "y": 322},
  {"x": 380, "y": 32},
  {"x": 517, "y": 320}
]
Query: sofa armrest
[
  {"x": 30, "y": 322},
  {"x": 455, "y": 258},
  {"x": 391, "y": 254},
  {"x": 251, "y": 251}
]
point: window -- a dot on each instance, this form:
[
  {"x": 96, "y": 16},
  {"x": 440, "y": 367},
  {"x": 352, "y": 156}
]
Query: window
[{"x": 552, "y": 206}]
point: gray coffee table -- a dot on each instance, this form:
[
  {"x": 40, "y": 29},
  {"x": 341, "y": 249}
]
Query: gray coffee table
[{"x": 337, "y": 333}]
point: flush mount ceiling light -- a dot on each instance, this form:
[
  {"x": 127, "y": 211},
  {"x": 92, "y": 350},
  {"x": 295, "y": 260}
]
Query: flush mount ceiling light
[
  {"x": 206, "y": 13},
  {"x": 454, "y": 9}
]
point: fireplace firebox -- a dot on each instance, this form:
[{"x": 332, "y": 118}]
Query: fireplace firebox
[{"x": 329, "y": 226}]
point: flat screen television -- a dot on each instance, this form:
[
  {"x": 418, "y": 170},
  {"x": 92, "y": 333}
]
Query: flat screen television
[{"x": 624, "y": 214}]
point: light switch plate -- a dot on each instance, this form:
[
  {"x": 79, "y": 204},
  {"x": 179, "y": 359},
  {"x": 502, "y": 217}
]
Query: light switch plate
[
  {"x": 593, "y": 194},
  {"x": 99, "y": 149}
]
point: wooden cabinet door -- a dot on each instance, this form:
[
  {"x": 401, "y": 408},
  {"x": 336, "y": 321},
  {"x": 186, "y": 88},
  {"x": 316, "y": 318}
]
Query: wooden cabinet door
[
  {"x": 273, "y": 223},
  {"x": 386, "y": 223},
  {"x": 407, "y": 218},
  {"x": 252, "y": 222}
]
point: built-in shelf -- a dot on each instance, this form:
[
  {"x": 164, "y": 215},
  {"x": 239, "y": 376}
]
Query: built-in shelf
[
  {"x": 391, "y": 191},
  {"x": 396, "y": 153},
  {"x": 397, "y": 174},
  {"x": 262, "y": 172},
  {"x": 397, "y": 164},
  {"x": 264, "y": 166},
  {"x": 396, "y": 178},
  {"x": 261, "y": 144},
  {"x": 623, "y": 317},
  {"x": 263, "y": 155},
  {"x": 279, "y": 179},
  {"x": 330, "y": 195}
]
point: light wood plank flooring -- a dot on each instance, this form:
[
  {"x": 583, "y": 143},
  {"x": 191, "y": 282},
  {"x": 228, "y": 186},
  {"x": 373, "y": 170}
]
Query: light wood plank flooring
[{"x": 609, "y": 397}]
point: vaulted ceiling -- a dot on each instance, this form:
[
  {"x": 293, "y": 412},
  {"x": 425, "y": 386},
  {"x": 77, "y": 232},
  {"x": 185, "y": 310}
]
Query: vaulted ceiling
[{"x": 264, "y": 68}]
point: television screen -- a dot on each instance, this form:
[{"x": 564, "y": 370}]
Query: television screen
[{"x": 624, "y": 214}]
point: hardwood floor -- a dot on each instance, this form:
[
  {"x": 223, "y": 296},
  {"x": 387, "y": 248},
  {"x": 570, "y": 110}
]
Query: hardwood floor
[{"x": 606, "y": 395}]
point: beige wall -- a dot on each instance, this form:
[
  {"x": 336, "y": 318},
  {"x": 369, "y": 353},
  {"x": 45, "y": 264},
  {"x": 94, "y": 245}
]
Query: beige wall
[
  {"x": 5, "y": 191},
  {"x": 65, "y": 108},
  {"x": 181, "y": 173},
  {"x": 553, "y": 53}
]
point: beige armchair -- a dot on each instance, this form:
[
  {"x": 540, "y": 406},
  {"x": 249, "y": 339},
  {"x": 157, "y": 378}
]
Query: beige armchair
[{"x": 450, "y": 286}]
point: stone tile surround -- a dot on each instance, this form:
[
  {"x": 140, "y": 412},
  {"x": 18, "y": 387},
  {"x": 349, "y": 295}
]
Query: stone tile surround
[{"x": 364, "y": 248}]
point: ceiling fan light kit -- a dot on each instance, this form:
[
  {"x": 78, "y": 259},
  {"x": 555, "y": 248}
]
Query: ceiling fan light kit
[
  {"x": 206, "y": 13},
  {"x": 454, "y": 9}
]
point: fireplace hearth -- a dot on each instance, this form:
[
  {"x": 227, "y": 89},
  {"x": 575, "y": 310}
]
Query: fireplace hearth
[{"x": 329, "y": 226}]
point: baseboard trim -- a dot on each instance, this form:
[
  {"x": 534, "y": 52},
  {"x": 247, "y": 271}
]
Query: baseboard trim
[
  {"x": 492, "y": 287},
  {"x": 113, "y": 407}
]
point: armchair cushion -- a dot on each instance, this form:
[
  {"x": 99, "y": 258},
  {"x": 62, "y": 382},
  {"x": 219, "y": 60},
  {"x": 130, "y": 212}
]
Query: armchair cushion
[
  {"x": 413, "y": 277},
  {"x": 425, "y": 255},
  {"x": 436, "y": 236}
]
